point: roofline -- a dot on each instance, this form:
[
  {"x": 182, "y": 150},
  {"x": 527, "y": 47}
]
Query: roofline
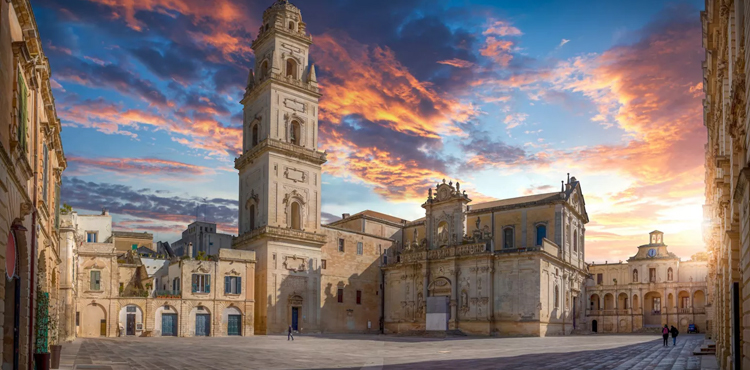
[{"x": 356, "y": 232}]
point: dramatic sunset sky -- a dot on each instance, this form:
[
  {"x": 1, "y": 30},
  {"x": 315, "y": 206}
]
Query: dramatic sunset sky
[{"x": 504, "y": 96}]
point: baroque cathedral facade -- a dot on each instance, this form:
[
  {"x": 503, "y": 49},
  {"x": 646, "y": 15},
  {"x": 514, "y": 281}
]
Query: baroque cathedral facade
[{"x": 507, "y": 267}]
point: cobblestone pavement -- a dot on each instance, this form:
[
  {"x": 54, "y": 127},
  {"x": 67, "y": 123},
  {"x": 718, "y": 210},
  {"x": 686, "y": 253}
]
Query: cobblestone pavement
[{"x": 374, "y": 352}]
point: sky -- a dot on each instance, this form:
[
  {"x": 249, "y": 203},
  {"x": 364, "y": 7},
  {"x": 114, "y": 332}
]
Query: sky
[{"x": 507, "y": 97}]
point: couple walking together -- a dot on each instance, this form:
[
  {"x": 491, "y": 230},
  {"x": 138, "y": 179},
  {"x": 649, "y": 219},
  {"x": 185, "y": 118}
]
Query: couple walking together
[{"x": 665, "y": 331}]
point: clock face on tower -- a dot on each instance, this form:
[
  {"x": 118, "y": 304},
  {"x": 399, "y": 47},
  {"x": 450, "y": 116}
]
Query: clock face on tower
[{"x": 652, "y": 252}]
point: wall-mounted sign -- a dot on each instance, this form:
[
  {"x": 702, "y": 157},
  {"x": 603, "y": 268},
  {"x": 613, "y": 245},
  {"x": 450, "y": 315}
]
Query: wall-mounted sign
[{"x": 10, "y": 256}]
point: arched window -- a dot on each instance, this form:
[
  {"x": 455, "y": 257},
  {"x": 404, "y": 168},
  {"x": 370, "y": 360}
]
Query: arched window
[
  {"x": 669, "y": 274},
  {"x": 264, "y": 69},
  {"x": 296, "y": 216},
  {"x": 255, "y": 135},
  {"x": 294, "y": 133},
  {"x": 291, "y": 25},
  {"x": 541, "y": 233},
  {"x": 575, "y": 241},
  {"x": 557, "y": 297},
  {"x": 252, "y": 217},
  {"x": 442, "y": 233},
  {"x": 291, "y": 68},
  {"x": 635, "y": 275},
  {"x": 508, "y": 241}
]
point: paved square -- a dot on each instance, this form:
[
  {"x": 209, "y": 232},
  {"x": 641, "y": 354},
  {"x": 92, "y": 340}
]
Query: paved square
[{"x": 390, "y": 352}]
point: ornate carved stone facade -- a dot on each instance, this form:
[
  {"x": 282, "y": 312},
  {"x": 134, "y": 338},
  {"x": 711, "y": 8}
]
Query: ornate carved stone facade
[
  {"x": 726, "y": 212},
  {"x": 491, "y": 266}
]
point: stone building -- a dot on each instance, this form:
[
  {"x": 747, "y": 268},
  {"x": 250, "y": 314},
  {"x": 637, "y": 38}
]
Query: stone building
[
  {"x": 651, "y": 289},
  {"x": 31, "y": 163},
  {"x": 204, "y": 239},
  {"x": 507, "y": 267},
  {"x": 114, "y": 292},
  {"x": 726, "y": 213}
]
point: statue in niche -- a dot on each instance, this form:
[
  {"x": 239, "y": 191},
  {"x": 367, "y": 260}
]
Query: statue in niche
[
  {"x": 477, "y": 223},
  {"x": 415, "y": 235},
  {"x": 464, "y": 301}
]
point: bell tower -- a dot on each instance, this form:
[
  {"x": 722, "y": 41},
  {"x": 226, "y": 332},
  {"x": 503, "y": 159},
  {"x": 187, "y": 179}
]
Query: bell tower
[
  {"x": 280, "y": 166},
  {"x": 279, "y": 172}
]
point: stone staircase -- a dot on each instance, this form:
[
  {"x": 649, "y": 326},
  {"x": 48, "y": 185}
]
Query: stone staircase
[{"x": 707, "y": 348}]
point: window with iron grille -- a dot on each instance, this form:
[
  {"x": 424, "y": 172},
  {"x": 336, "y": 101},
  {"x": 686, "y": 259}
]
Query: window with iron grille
[
  {"x": 341, "y": 245},
  {"x": 360, "y": 248}
]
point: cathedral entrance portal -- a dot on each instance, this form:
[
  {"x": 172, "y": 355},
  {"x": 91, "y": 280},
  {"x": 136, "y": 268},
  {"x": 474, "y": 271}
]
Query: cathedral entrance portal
[
  {"x": 438, "y": 305},
  {"x": 295, "y": 308}
]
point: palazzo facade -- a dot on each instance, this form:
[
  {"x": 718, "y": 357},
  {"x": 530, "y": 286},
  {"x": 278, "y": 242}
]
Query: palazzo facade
[{"x": 652, "y": 289}]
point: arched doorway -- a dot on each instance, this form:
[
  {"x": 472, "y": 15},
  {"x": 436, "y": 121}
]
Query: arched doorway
[
  {"x": 201, "y": 317},
  {"x": 12, "y": 273},
  {"x": 166, "y": 321},
  {"x": 231, "y": 319},
  {"x": 699, "y": 301},
  {"x": 683, "y": 302},
  {"x": 652, "y": 309},
  {"x": 131, "y": 320},
  {"x": 295, "y": 310},
  {"x": 94, "y": 321},
  {"x": 622, "y": 301},
  {"x": 438, "y": 310},
  {"x": 594, "y": 326}
]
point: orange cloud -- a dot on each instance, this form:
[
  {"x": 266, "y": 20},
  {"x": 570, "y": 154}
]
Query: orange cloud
[
  {"x": 370, "y": 82},
  {"x": 137, "y": 166},
  {"x": 502, "y": 28},
  {"x": 458, "y": 63},
  {"x": 498, "y": 50}
]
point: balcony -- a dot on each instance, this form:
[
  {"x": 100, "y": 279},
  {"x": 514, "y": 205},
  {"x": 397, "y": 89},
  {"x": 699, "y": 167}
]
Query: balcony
[
  {"x": 170, "y": 294},
  {"x": 134, "y": 293}
]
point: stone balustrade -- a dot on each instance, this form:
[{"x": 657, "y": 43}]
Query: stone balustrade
[{"x": 282, "y": 233}]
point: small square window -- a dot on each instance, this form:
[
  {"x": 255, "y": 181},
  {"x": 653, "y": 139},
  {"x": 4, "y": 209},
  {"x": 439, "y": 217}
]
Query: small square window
[
  {"x": 341, "y": 245},
  {"x": 323, "y": 264},
  {"x": 91, "y": 236},
  {"x": 340, "y": 295}
]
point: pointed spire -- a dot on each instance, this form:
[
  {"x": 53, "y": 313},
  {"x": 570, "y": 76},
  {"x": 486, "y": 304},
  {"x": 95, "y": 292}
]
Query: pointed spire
[{"x": 312, "y": 77}]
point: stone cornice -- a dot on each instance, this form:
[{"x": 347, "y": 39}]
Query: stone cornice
[
  {"x": 297, "y": 36},
  {"x": 355, "y": 232},
  {"x": 286, "y": 149},
  {"x": 274, "y": 232},
  {"x": 289, "y": 82}
]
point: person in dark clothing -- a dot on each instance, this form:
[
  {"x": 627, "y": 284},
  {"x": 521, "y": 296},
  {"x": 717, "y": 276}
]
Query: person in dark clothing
[
  {"x": 665, "y": 335},
  {"x": 291, "y": 336},
  {"x": 674, "y": 332}
]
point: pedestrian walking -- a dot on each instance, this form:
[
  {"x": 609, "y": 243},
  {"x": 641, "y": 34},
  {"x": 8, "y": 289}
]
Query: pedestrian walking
[
  {"x": 674, "y": 332},
  {"x": 665, "y": 335},
  {"x": 290, "y": 335}
]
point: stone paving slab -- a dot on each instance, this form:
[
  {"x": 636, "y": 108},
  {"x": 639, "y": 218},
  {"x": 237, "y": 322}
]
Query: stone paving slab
[{"x": 375, "y": 352}]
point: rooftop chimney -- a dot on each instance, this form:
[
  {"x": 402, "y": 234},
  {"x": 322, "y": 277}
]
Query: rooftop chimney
[
  {"x": 105, "y": 212},
  {"x": 190, "y": 250},
  {"x": 345, "y": 215}
]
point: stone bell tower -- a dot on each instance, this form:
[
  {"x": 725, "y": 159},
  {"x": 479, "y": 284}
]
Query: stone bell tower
[{"x": 279, "y": 173}]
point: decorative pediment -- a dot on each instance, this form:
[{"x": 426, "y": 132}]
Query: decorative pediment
[
  {"x": 94, "y": 265},
  {"x": 295, "y": 299},
  {"x": 202, "y": 269},
  {"x": 294, "y": 195},
  {"x": 233, "y": 272}
]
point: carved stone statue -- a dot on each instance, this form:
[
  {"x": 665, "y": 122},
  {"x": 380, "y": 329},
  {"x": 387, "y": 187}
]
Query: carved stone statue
[{"x": 477, "y": 223}]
